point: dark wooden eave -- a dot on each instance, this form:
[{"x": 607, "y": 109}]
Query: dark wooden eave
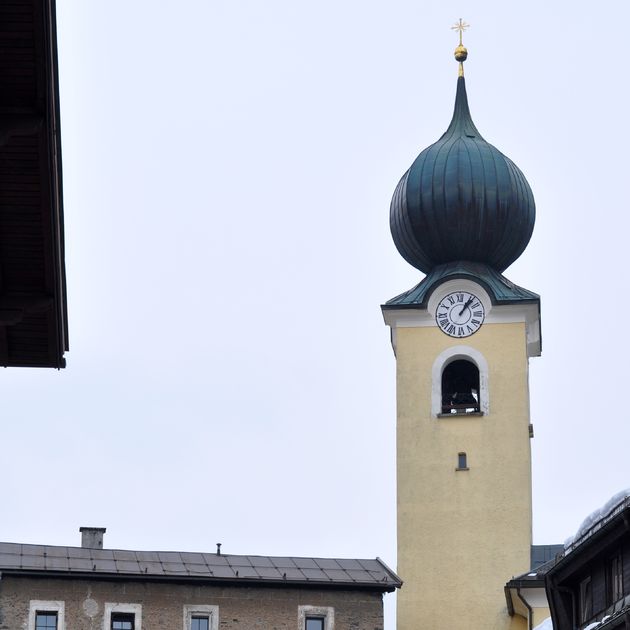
[{"x": 33, "y": 305}]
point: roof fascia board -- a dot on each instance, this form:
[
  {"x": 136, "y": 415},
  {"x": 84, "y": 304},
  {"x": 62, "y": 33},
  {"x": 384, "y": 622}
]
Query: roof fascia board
[{"x": 137, "y": 577}]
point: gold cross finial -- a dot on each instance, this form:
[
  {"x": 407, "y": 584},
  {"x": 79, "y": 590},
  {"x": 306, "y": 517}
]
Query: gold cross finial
[
  {"x": 460, "y": 52},
  {"x": 460, "y": 26}
]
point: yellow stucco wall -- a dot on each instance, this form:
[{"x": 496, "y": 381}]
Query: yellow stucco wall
[
  {"x": 517, "y": 623},
  {"x": 462, "y": 534}
]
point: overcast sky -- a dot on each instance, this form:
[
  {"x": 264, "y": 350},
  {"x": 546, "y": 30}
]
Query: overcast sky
[{"x": 228, "y": 168}]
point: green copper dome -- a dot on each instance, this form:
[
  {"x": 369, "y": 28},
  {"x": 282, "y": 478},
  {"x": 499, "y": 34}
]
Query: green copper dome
[{"x": 462, "y": 200}]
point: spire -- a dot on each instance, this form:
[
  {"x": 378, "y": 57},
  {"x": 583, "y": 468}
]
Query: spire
[{"x": 461, "y": 123}]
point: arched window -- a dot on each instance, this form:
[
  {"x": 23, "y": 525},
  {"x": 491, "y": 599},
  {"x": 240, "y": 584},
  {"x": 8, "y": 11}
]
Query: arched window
[
  {"x": 460, "y": 387},
  {"x": 459, "y": 382}
]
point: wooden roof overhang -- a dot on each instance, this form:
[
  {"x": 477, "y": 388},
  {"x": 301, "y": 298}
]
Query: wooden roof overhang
[{"x": 33, "y": 305}]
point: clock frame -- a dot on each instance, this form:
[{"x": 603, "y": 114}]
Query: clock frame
[{"x": 460, "y": 314}]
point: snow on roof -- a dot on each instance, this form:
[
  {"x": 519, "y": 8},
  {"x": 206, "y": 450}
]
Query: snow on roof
[
  {"x": 595, "y": 517},
  {"x": 547, "y": 625},
  {"x": 595, "y": 624}
]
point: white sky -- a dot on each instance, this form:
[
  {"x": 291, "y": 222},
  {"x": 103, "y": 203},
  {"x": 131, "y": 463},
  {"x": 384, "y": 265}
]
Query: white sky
[{"x": 228, "y": 168}]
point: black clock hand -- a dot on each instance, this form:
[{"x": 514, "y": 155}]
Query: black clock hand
[{"x": 466, "y": 305}]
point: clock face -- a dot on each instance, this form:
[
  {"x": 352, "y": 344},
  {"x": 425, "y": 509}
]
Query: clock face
[{"x": 460, "y": 314}]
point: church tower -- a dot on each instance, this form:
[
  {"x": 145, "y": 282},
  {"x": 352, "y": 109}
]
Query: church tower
[{"x": 462, "y": 337}]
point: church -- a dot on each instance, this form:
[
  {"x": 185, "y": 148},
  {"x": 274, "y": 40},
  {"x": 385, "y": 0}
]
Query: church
[{"x": 463, "y": 338}]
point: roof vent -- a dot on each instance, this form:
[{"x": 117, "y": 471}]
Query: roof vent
[{"x": 92, "y": 537}]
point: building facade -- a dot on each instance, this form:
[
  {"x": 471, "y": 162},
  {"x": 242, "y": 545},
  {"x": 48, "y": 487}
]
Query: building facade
[{"x": 91, "y": 588}]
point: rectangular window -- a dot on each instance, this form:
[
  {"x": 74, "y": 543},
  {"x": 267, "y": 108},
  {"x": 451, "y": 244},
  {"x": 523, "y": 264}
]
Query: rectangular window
[
  {"x": 45, "y": 620},
  {"x": 199, "y": 623},
  {"x": 201, "y": 617},
  {"x": 122, "y": 616},
  {"x": 123, "y": 621},
  {"x": 586, "y": 600},
  {"x": 314, "y": 623},
  {"x": 316, "y": 618},
  {"x": 45, "y": 615},
  {"x": 462, "y": 461},
  {"x": 614, "y": 579}
]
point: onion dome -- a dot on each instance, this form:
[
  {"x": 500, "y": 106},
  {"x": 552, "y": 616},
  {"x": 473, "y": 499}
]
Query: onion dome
[{"x": 462, "y": 199}]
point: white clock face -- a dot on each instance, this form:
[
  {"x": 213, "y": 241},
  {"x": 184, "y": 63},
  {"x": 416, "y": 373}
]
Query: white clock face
[{"x": 460, "y": 314}]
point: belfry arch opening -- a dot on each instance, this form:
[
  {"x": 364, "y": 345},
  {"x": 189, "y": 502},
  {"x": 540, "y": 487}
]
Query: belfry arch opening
[
  {"x": 460, "y": 387},
  {"x": 451, "y": 373}
]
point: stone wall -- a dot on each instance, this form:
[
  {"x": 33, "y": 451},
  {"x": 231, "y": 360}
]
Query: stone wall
[{"x": 162, "y": 604}]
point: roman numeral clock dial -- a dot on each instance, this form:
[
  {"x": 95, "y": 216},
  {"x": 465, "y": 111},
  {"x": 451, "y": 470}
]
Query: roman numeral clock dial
[{"x": 460, "y": 314}]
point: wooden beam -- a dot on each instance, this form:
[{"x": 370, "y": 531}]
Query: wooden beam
[{"x": 4, "y": 347}]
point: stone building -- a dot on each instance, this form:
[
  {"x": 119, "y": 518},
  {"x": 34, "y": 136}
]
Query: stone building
[{"x": 88, "y": 588}]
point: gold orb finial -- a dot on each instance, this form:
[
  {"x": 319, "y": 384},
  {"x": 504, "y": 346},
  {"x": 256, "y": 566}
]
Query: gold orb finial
[{"x": 461, "y": 54}]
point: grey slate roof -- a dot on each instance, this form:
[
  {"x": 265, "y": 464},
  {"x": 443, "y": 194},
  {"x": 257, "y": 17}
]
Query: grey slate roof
[
  {"x": 16, "y": 558},
  {"x": 541, "y": 555},
  {"x": 500, "y": 289}
]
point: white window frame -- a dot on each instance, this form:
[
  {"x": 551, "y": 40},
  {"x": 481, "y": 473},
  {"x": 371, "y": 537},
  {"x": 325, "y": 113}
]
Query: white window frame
[
  {"x": 201, "y": 610},
  {"x": 326, "y": 612},
  {"x": 448, "y": 356},
  {"x": 129, "y": 609},
  {"x": 43, "y": 606}
]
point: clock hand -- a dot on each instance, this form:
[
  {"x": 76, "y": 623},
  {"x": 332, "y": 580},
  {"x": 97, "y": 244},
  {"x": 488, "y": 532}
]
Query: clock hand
[{"x": 466, "y": 306}]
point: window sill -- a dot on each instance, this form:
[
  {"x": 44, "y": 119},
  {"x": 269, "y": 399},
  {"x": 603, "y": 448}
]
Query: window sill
[
  {"x": 461, "y": 469},
  {"x": 474, "y": 414}
]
